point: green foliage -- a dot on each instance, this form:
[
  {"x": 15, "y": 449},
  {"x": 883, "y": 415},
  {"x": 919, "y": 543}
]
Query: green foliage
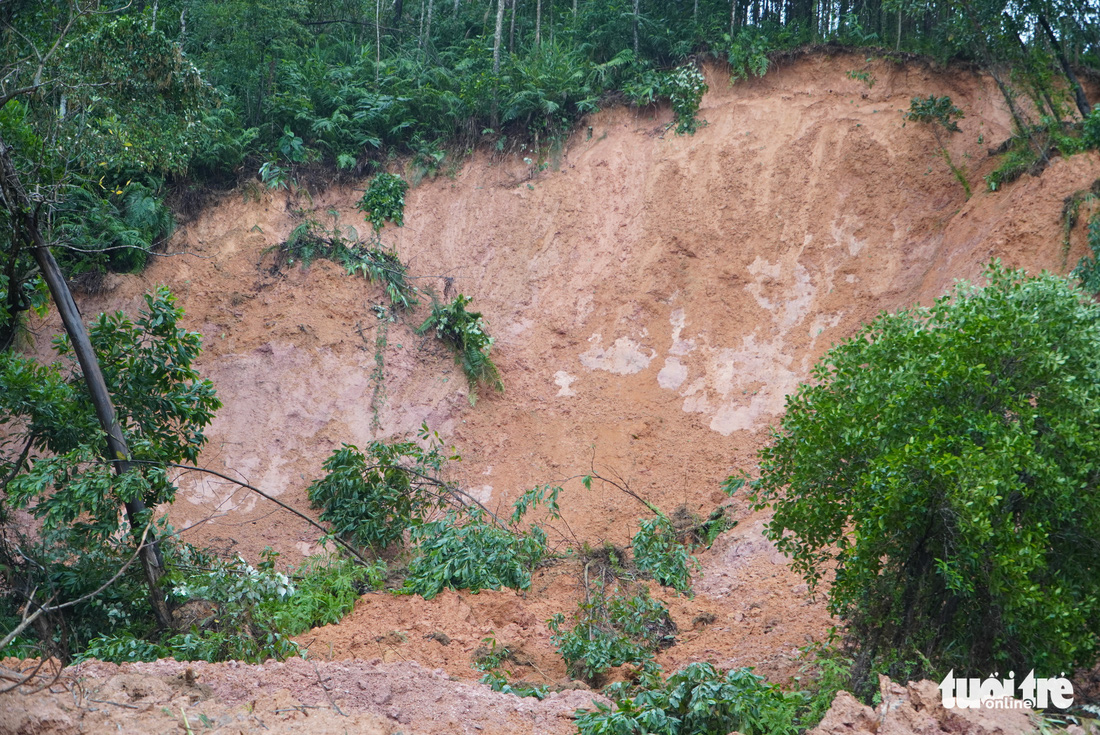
[
  {"x": 1090, "y": 129},
  {"x": 942, "y": 461},
  {"x": 610, "y": 631},
  {"x": 492, "y": 659},
  {"x": 384, "y": 200},
  {"x": 373, "y": 503},
  {"x": 1019, "y": 159},
  {"x": 937, "y": 113},
  {"x": 686, "y": 87},
  {"x": 935, "y": 110},
  {"x": 464, "y": 332},
  {"x": 658, "y": 553},
  {"x": 697, "y": 700},
  {"x": 234, "y": 611},
  {"x": 748, "y": 53},
  {"x": 1088, "y": 269},
  {"x": 827, "y": 671},
  {"x": 162, "y": 406},
  {"x": 114, "y": 229},
  {"x": 466, "y": 550},
  {"x": 371, "y": 260},
  {"x": 134, "y": 102}
]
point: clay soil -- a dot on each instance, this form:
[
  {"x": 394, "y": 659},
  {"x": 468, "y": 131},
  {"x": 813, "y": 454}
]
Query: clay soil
[{"x": 654, "y": 299}]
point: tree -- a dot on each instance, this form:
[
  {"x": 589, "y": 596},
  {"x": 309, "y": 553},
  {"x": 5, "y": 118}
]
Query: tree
[
  {"x": 944, "y": 463},
  {"x": 102, "y": 98}
]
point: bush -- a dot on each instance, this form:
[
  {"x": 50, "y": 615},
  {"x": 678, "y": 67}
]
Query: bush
[
  {"x": 697, "y": 700},
  {"x": 309, "y": 241},
  {"x": 1088, "y": 269},
  {"x": 467, "y": 551},
  {"x": 384, "y": 200},
  {"x": 464, "y": 332},
  {"x": 1090, "y": 129},
  {"x": 1015, "y": 163},
  {"x": 686, "y": 87},
  {"x": 373, "y": 504},
  {"x": 657, "y": 552},
  {"x": 944, "y": 461},
  {"x": 612, "y": 631}
]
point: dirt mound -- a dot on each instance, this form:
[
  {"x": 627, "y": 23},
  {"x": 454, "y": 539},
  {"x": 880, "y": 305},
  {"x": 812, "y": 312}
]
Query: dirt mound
[
  {"x": 918, "y": 708},
  {"x": 654, "y": 299},
  {"x": 297, "y": 696}
]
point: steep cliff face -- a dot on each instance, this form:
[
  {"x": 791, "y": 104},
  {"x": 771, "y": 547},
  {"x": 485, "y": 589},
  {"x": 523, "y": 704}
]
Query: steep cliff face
[{"x": 654, "y": 299}]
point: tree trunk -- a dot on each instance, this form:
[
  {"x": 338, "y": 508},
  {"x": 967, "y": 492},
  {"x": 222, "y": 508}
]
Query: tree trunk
[
  {"x": 636, "y": 9},
  {"x": 21, "y": 209},
  {"x": 426, "y": 35},
  {"x": 512, "y": 30},
  {"x": 1078, "y": 93},
  {"x": 496, "y": 64},
  {"x": 538, "y": 23}
]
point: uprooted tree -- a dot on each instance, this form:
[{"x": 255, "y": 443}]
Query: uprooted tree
[{"x": 938, "y": 478}]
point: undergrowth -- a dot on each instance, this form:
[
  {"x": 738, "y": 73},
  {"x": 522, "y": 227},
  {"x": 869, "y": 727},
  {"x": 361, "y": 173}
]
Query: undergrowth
[
  {"x": 696, "y": 700},
  {"x": 227, "y": 609},
  {"x": 369, "y": 259},
  {"x": 465, "y": 333},
  {"x": 611, "y": 630}
]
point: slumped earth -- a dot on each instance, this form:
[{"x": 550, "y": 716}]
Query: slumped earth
[{"x": 654, "y": 299}]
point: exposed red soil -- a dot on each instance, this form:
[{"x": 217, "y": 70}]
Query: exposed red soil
[{"x": 654, "y": 299}]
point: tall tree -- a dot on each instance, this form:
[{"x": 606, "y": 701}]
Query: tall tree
[{"x": 124, "y": 95}]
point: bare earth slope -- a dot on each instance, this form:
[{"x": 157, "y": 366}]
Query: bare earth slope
[{"x": 654, "y": 298}]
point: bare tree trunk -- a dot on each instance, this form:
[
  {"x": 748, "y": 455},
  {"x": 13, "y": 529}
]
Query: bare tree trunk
[
  {"x": 1078, "y": 93},
  {"x": 496, "y": 63},
  {"x": 636, "y": 4},
  {"x": 538, "y": 23},
  {"x": 512, "y": 30},
  {"x": 427, "y": 37},
  {"x": 21, "y": 209},
  {"x": 377, "y": 39}
]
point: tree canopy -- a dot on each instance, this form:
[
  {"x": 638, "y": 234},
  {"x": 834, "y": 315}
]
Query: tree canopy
[{"x": 940, "y": 472}]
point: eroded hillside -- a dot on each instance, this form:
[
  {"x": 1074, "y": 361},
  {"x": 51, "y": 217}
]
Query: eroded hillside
[{"x": 654, "y": 299}]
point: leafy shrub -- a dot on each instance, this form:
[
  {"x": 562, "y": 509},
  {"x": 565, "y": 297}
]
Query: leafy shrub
[
  {"x": 1090, "y": 129},
  {"x": 1019, "y": 159},
  {"x": 162, "y": 407},
  {"x": 686, "y": 87},
  {"x": 748, "y": 53},
  {"x": 373, "y": 503},
  {"x": 935, "y": 110},
  {"x": 384, "y": 200},
  {"x": 827, "y": 670},
  {"x": 612, "y": 631},
  {"x": 325, "y": 590},
  {"x": 657, "y": 552},
  {"x": 943, "y": 460},
  {"x": 697, "y": 700},
  {"x": 465, "y": 550},
  {"x": 464, "y": 332},
  {"x": 1088, "y": 269}
]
